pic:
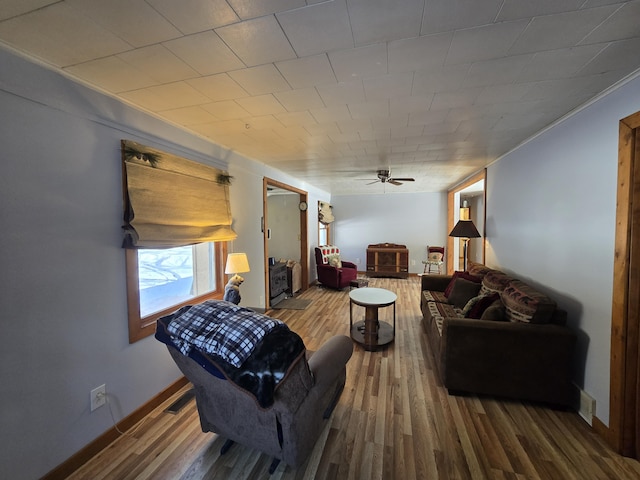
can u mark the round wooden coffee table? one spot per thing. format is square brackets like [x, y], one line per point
[372, 333]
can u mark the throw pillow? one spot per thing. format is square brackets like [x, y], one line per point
[455, 276]
[478, 309]
[495, 312]
[334, 260]
[469, 305]
[463, 291]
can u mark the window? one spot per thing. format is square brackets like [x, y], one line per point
[324, 234]
[159, 281]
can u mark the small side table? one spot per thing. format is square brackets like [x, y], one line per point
[372, 333]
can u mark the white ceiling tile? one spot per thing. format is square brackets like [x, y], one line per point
[13, 8]
[445, 15]
[189, 116]
[374, 109]
[205, 52]
[421, 53]
[517, 9]
[111, 74]
[374, 21]
[564, 62]
[623, 24]
[443, 79]
[499, 71]
[135, 21]
[560, 31]
[484, 43]
[318, 28]
[251, 8]
[359, 62]
[342, 93]
[257, 41]
[621, 56]
[218, 87]
[459, 98]
[290, 119]
[61, 35]
[388, 86]
[158, 63]
[300, 99]
[193, 16]
[261, 105]
[260, 80]
[166, 97]
[307, 71]
[502, 93]
[331, 114]
[226, 110]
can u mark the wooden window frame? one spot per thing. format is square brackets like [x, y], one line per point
[142, 327]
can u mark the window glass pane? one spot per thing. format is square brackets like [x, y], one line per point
[170, 276]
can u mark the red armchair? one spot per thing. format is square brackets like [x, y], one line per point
[332, 270]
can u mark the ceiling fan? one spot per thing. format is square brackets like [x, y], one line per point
[384, 176]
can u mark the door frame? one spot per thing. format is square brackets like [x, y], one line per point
[451, 194]
[623, 432]
[304, 261]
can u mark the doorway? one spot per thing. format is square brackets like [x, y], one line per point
[295, 235]
[467, 199]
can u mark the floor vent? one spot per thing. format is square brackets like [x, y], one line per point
[179, 404]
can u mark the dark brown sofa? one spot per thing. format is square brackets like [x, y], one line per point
[517, 347]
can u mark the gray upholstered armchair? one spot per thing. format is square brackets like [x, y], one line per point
[282, 419]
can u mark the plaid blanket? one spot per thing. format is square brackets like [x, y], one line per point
[220, 328]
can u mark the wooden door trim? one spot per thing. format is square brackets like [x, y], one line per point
[620, 433]
[482, 175]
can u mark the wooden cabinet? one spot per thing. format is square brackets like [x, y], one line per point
[387, 260]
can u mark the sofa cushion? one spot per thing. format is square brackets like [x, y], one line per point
[440, 311]
[477, 269]
[433, 296]
[463, 290]
[525, 304]
[494, 281]
[455, 276]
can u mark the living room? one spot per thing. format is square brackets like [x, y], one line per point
[551, 219]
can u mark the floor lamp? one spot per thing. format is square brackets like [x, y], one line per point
[465, 229]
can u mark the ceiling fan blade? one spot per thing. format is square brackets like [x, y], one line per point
[371, 183]
[394, 181]
[403, 179]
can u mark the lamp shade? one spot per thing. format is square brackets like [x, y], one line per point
[237, 263]
[465, 229]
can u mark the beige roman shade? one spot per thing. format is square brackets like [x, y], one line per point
[171, 201]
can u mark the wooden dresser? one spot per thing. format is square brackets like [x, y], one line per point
[387, 260]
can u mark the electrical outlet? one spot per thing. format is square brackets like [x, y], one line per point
[98, 397]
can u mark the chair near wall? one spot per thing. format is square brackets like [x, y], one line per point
[332, 270]
[434, 261]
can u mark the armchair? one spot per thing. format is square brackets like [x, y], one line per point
[332, 271]
[274, 406]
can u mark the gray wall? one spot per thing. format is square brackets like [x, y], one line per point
[551, 220]
[62, 280]
[415, 220]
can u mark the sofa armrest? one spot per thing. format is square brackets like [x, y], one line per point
[517, 360]
[435, 283]
[330, 359]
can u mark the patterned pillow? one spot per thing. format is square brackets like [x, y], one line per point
[334, 260]
[495, 312]
[434, 257]
[494, 281]
[525, 304]
[477, 269]
[456, 275]
[479, 307]
[463, 291]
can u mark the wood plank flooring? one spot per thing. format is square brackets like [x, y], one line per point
[394, 421]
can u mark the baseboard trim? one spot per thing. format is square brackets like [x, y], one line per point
[81, 457]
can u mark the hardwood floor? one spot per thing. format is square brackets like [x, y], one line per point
[394, 421]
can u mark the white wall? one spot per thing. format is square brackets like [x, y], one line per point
[551, 220]
[62, 280]
[415, 220]
[284, 224]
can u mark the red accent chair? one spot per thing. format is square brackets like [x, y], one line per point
[332, 271]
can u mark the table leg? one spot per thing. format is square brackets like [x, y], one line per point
[371, 326]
